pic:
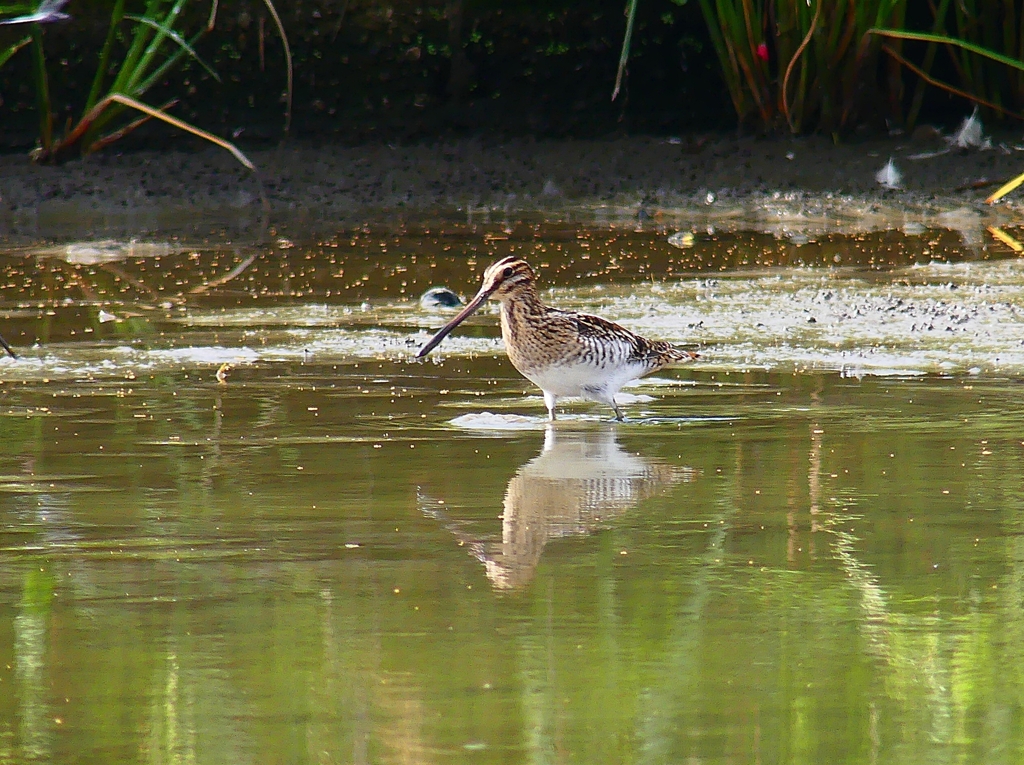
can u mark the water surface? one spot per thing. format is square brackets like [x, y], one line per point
[238, 523]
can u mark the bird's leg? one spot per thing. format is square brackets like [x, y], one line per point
[550, 399]
[618, 412]
[7, 348]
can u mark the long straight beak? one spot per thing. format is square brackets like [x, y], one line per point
[442, 333]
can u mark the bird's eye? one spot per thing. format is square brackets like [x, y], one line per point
[507, 274]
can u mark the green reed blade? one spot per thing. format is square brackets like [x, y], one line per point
[21, 9]
[965, 45]
[139, 71]
[289, 69]
[5, 55]
[966, 95]
[140, 38]
[101, 69]
[794, 115]
[1018, 52]
[966, 29]
[756, 69]
[167, 64]
[129, 69]
[727, 62]
[42, 88]
[956, 56]
[626, 40]
[751, 37]
[146, 43]
[177, 38]
[927, 63]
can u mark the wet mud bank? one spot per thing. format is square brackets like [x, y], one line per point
[807, 184]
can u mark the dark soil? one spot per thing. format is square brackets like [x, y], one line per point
[326, 188]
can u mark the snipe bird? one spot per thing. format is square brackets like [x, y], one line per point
[563, 353]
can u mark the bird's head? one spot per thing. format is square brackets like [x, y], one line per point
[505, 277]
[502, 280]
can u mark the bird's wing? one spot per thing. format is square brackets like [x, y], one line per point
[595, 331]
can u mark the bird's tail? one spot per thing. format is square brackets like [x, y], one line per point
[679, 353]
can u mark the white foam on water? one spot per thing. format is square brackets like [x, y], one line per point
[200, 355]
[632, 398]
[89, 361]
[945, 318]
[935, 318]
[498, 422]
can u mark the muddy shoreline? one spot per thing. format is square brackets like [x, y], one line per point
[807, 184]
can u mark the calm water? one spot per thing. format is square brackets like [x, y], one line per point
[805, 547]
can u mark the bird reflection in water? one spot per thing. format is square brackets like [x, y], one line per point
[574, 487]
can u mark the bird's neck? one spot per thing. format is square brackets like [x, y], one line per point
[523, 301]
[520, 308]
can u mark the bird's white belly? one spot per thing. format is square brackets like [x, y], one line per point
[585, 380]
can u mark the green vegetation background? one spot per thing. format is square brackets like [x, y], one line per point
[405, 70]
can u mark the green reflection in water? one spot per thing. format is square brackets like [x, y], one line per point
[308, 562]
[796, 568]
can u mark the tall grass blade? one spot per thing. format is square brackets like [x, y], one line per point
[288, 64]
[624, 55]
[6, 54]
[964, 44]
[120, 133]
[792, 63]
[145, 62]
[926, 64]
[134, 77]
[88, 121]
[101, 70]
[177, 38]
[187, 127]
[180, 124]
[42, 88]
[130, 63]
[974, 98]
[155, 46]
[730, 70]
[168, 64]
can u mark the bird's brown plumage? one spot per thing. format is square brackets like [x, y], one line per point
[564, 353]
